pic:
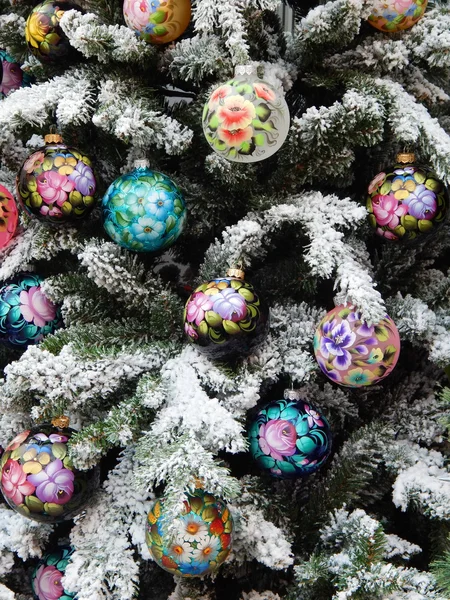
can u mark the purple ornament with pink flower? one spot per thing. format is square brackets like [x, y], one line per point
[226, 317]
[353, 353]
[290, 438]
[406, 202]
[38, 479]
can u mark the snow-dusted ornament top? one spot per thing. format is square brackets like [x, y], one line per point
[396, 15]
[157, 21]
[246, 119]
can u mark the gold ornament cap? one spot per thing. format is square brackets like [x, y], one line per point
[53, 138]
[61, 422]
[405, 158]
[237, 273]
[292, 395]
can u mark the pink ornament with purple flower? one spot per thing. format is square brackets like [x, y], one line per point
[351, 352]
[406, 202]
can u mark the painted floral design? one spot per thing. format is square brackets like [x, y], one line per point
[56, 184]
[157, 21]
[290, 438]
[225, 317]
[201, 541]
[144, 211]
[407, 202]
[246, 120]
[396, 15]
[46, 579]
[38, 478]
[26, 315]
[45, 38]
[351, 352]
[12, 77]
[8, 217]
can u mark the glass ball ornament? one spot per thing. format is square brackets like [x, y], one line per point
[157, 21]
[200, 541]
[290, 438]
[226, 317]
[56, 184]
[46, 577]
[26, 314]
[352, 353]
[12, 75]
[396, 15]
[9, 217]
[43, 33]
[38, 479]
[144, 210]
[246, 119]
[407, 201]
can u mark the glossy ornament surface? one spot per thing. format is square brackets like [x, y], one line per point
[45, 38]
[396, 15]
[46, 577]
[246, 119]
[226, 317]
[407, 201]
[9, 217]
[157, 21]
[38, 479]
[200, 541]
[56, 184]
[352, 353]
[12, 77]
[26, 314]
[144, 210]
[290, 438]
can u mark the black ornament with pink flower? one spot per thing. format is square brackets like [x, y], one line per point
[226, 318]
[38, 479]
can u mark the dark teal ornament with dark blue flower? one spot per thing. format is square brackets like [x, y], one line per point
[290, 438]
[26, 314]
[144, 210]
[46, 577]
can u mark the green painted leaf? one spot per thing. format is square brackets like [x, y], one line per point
[122, 219]
[424, 225]
[263, 112]
[259, 139]
[170, 223]
[213, 319]
[159, 30]
[59, 450]
[34, 504]
[158, 16]
[213, 122]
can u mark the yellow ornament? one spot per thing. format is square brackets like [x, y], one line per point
[157, 21]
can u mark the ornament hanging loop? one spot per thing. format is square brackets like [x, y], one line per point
[61, 422]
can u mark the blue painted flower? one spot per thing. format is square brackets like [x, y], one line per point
[149, 28]
[336, 343]
[147, 229]
[160, 204]
[135, 204]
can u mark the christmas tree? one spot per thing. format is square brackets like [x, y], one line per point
[151, 100]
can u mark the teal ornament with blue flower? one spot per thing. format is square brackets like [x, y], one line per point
[197, 541]
[46, 578]
[26, 314]
[290, 438]
[144, 210]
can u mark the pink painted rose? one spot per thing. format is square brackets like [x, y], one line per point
[35, 307]
[12, 77]
[264, 91]
[19, 439]
[136, 13]
[54, 187]
[388, 210]
[376, 181]
[14, 482]
[278, 438]
[47, 583]
[313, 417]
[198, 304]
[401, 6]
[387, 234]
[190, 331]
[34, 161]
[219, 94]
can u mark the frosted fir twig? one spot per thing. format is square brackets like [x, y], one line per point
[102, 566]
[195, 58]
[422, 89]
[12, 27]
[91, 37]
[36, 242]
[430, 40]
[6, 593]
[69, 96]
[256, 538]
[20, 535]
[133, 120]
